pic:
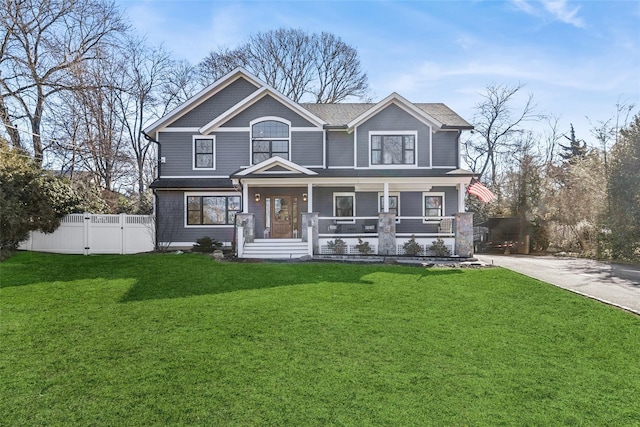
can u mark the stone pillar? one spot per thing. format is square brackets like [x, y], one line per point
[386, 233]
[247, 222]
[310, 219]
[464, 234]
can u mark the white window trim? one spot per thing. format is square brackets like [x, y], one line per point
[391, 194]
[193, 152]
[264, 119]
[335, 212]
[424, 215]
[208, 194]
[395, 132]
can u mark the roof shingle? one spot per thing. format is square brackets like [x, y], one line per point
[340, 114]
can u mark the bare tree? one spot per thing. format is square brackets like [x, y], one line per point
[181, 83]
[144, 71]
[296, 63]
[93, 125]
[497, 124]
[43, 41]
[338, 71]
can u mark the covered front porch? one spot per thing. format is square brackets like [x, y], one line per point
[350, 212]
[381, 239]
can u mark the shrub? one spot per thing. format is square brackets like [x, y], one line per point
[206, 245]
[363, 247]
[439, 249]
[338, 246]
[412, 247]
[30, 198]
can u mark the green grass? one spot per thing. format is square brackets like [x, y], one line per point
[181, 340]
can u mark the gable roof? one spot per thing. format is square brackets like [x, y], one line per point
[201, 97]
[252, 99]
[275, 164]
[346, 115]
[342, 113]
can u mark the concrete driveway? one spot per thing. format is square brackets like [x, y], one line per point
[614, 284]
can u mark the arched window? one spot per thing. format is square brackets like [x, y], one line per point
[269, 138]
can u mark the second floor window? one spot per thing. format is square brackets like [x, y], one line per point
[203, 153]
[393, 149]
[269, 138]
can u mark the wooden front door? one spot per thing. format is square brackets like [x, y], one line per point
[281, 217]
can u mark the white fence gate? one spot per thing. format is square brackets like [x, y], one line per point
[96, 234]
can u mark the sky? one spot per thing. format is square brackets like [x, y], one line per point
[579, 59]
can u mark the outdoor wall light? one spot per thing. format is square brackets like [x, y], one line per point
[256, 197]
[304, 197]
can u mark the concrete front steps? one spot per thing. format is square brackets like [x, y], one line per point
[275, 249]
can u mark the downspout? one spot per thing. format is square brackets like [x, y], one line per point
[155, 193]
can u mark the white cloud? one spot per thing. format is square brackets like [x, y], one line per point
[562, 12]
[558, 10]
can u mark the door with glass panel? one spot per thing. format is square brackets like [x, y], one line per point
[281, 217]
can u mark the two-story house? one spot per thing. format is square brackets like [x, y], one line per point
[242, 164]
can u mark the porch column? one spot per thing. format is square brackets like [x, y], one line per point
[464, 234]
[385, 197]
[245, 198]
[246, 221]
[461, 192]
[310, 219]
[386, 233]
[309, 198]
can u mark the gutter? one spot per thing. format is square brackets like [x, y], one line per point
[334, 127]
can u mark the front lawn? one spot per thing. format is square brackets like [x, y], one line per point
[166, 339]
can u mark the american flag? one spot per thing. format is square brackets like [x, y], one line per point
[476, 188]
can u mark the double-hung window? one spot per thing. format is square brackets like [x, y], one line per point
[433, 205]
[344, 206]
[203, 152]
[212, 209]
[393, 149]
[269, 138]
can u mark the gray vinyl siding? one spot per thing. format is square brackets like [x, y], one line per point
[232, 152]
[367, 204]
[171, 220]
[339, 149]
[411, 201]
[306, 148]
[393, 118]
[267, 106]
[176, 148]
[445, 148]
[217, 104]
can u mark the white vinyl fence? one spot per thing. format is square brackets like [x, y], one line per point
[96, 234]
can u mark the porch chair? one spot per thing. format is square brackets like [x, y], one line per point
[369, 227]
[334, 228]
[446, 226]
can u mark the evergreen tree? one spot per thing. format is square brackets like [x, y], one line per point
[577, 148]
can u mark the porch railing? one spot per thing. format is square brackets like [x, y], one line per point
[356, 231]
[367, 226]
